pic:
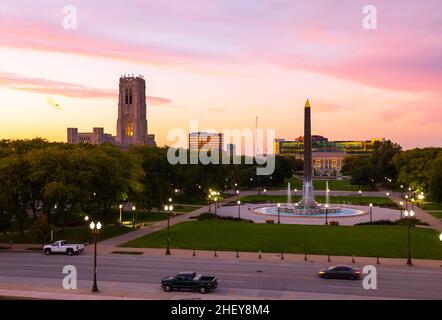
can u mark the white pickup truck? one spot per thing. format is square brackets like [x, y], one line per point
[62, 246]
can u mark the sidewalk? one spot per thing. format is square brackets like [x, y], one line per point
[421, 214]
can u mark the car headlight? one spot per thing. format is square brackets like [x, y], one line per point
[321, 272]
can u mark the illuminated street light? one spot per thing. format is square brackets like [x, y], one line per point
[133, 217]
[95, 228]
[168, 209]
[239, 209]
[279, 208]
[371, 212]
[121, 211]
[409, 215]
[326, 213]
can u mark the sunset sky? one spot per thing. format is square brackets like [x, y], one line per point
[224, 62]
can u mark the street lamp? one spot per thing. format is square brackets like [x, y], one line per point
[371, 212]
[133, 217]
[121, 211]
[360, 192]
[239, 209]
[86, 219]
[237, 195]
[95, 228]
[168, 209]
[326, 213]
[216, 202]
[279, 208]
[409, 214]
[388, 199]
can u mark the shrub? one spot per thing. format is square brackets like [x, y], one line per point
[211, 216]
[334, 223]
[413, 221]
[378, 223]
[41, 230]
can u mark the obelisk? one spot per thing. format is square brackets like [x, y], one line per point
[308, 200]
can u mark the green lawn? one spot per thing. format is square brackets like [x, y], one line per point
[363, 200]
[432, 206]
[383, 241]
[77, 234]
[436, 214]
[343, 185]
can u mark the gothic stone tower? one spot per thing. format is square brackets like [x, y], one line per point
[132, 119]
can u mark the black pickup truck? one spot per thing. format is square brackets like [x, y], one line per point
[189, 281]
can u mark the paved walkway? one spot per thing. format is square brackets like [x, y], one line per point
[420, 213]
[157, 226]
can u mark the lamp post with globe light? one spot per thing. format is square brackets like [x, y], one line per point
[95, 228]
[168, 209]
[371, 212]
[86, 219]
[239, 209]
[133, 217]
[216, 203]
[409, 215]
[326, 213]
[279, 209]
[121, 213]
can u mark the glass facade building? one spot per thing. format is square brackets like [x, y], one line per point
[206, 141]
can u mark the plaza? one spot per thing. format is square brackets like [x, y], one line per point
[249, 212]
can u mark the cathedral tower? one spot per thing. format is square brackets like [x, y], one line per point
[132, 119]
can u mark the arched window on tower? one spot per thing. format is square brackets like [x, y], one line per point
[129, 128]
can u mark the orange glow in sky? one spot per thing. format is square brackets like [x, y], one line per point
[223, 63]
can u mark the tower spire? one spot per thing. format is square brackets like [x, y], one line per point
[307, 104]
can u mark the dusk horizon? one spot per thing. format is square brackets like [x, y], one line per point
[223, 64]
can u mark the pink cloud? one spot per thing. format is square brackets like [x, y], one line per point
[426, 111]
[67, 89]
[45, 37]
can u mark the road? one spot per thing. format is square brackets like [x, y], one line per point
[139, 277]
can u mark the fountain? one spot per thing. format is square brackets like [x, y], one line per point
[289, 196]
[308, 206]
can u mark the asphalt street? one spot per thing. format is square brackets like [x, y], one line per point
[249, 279]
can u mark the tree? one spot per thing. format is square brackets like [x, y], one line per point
[435, 180]
[382, 161]
[15, 189]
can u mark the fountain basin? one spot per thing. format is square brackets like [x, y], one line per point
[318, 212]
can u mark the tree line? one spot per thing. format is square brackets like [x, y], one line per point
[390, 167]
[66, 182]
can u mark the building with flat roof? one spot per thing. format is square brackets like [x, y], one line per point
[206, 141]
[327, 156]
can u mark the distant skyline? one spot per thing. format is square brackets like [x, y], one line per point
[223, 63]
